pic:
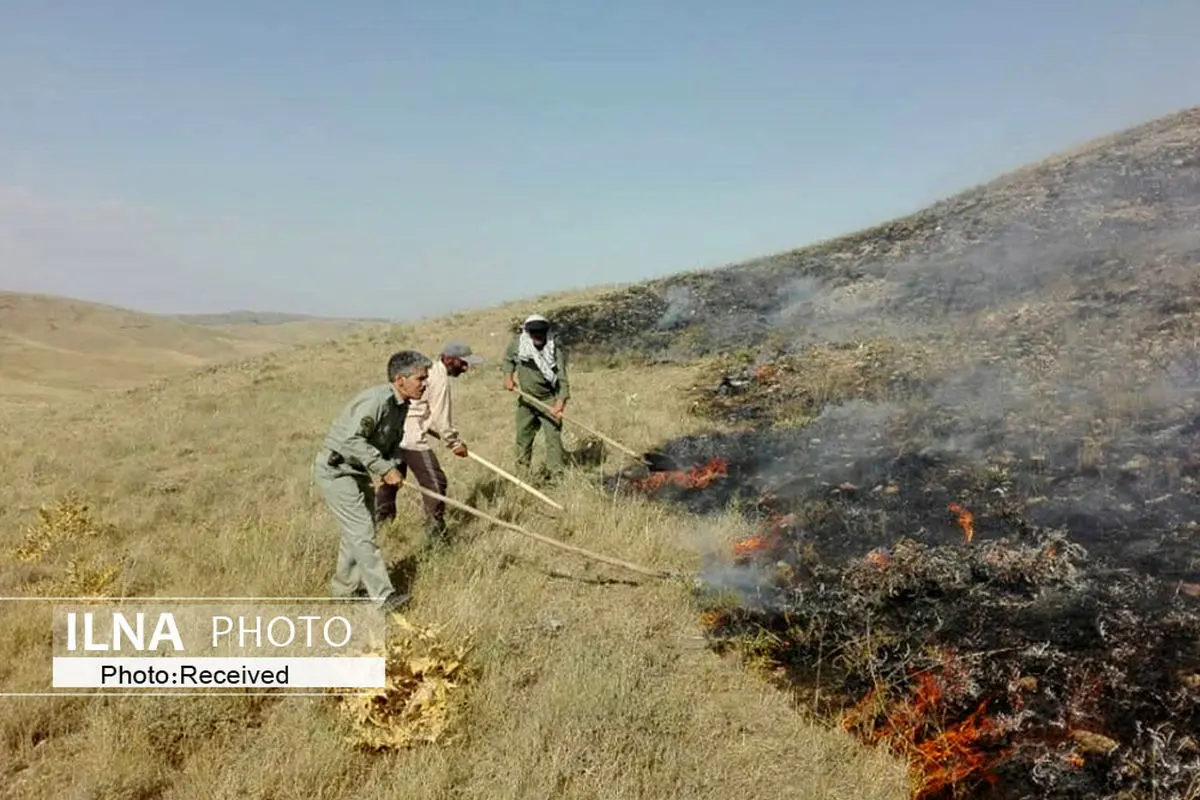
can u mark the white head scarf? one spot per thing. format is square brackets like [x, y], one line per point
[543, 359]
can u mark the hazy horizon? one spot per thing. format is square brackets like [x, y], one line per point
[372, 161]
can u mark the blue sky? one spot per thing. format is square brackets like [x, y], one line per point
[401, 159]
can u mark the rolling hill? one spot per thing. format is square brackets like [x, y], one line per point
[54, 345]
[1023, 352]
[245, 317]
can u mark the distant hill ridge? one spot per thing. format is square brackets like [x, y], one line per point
[246, 317]
[51, 347]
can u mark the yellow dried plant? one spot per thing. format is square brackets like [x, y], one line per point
[426, 677]
[67, 520]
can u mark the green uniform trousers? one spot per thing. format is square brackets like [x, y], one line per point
[360, 564]
[529, 421]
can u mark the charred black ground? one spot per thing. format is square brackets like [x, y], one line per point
[860, 477]
[1072, 611]
[1018, 362]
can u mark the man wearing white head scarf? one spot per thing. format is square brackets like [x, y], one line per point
[537, 363]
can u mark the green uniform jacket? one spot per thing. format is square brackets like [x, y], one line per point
[530, 378]
[365, 436]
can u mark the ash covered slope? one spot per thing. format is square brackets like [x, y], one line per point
[1042, 328]
[974, 435]
[1102, 214]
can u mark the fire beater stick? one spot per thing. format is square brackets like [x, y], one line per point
[514, 479]
[653, 573]
[506, 475]
[627, 451]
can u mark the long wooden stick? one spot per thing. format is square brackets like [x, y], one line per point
[592, 431]
[472, 454]
[653, 573]
[513, 478]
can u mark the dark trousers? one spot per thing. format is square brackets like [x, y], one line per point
[424, 466]
[529, 421]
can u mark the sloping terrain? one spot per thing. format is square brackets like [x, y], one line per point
[291, 332]
[1117, 214]
[53, 345]
[957, 429]
[590, 681]
[940, 486]
[246, 317]
[279, 327]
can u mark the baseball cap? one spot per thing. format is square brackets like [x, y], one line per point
[460, 350]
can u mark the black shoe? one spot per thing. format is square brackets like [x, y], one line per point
[394, 602]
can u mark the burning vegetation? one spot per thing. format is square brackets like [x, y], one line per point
[1017, 627]
[971, 438]
[695, 478]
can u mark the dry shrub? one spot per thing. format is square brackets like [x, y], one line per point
[68, 520]
[82, 580]
[425, 678]
[54, 543]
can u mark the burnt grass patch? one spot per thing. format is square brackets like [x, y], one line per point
[969, 438]
[1015, 621]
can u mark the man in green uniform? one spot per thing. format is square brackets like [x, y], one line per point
[362, 451]
[536, 362]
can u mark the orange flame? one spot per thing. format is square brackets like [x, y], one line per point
[697, 478]
[751, 545]
[939, 757]
[880, 559]
[966, 520]
[948, 759]
[766, 540]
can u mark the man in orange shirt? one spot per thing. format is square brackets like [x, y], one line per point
[430, 417]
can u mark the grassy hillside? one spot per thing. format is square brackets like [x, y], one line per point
[593, 681]
[956, 449]
[52, 347]
[245, 317]
[281, 328]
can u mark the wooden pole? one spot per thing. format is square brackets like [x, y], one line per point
[613, 442]
[653, 573]
[471, 454]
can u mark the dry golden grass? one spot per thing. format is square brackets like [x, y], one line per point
[590, 681]
[54, 347]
